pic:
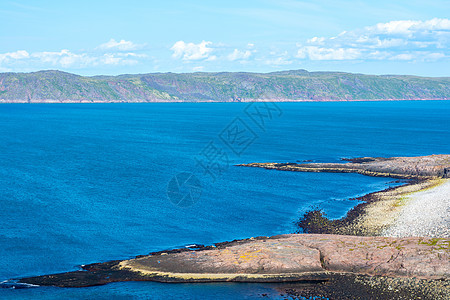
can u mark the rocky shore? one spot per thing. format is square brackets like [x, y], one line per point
[312, 264]
[380, 212]
[421, 167]
[377, 213]
[337, 259]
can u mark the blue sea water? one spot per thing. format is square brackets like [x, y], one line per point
[84, 183]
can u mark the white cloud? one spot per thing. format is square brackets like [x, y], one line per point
[63, 58]
[419, 56]
[115, 59]
[211, 58]
[198, 69]
[239, 55]
[316, 40]
[278, 59]
[405, 40]
[191, 51]
[67, 59]
[113, 53]
[318, 53]
[434, 56]
[409, 27]
[121, 45]
[20, 54]
[378, 55]
[403, 56]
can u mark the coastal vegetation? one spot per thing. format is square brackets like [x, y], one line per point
[296, 85]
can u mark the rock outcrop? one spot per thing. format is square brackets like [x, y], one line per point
[421, 167]
[295, 257]
[419, 265]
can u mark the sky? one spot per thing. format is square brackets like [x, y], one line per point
[128, 37]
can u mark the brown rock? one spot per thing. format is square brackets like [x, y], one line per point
[421, 167]
[296, 257]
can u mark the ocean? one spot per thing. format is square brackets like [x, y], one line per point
[85, 183]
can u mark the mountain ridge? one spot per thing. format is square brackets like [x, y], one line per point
[290, 85]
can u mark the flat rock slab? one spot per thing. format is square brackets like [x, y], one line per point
[425, 258]
[300, 253]
[255, 257]
[295, 257]
[421, 167]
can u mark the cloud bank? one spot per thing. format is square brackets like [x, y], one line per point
[406, 41]
[395, 40]
[107, 54]
[121, 45]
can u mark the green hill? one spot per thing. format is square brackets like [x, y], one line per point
[57, 86]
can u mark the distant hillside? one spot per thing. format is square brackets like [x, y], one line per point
[56, 86]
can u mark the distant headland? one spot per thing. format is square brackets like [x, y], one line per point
[295, 85]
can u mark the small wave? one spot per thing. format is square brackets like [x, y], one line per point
[14, 284]
[194, 246]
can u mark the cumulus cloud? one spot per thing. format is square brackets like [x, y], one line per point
[121, 45]
[410, 27]
[395, 40]
[319, 53]
[198, 68]
[67, 59]
[110, 53]
[239, 55]
[278, 59]
[63, 58]
[191, 51]
[20, 54]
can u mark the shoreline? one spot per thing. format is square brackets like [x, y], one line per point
[301, 265]
[345, 253]
[49, 101]
[377, 212]
[424, 213]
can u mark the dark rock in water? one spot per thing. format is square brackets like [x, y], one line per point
[14, 284]
[360, 159]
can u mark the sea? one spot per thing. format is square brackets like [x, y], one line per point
[86, 183]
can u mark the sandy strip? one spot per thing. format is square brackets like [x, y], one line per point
[425, 213]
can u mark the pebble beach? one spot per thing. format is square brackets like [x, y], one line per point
[425, 213]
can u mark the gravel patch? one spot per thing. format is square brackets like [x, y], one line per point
[426, 213]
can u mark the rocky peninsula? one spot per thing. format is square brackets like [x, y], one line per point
[422, 167]
[380, 211]
[343, 259]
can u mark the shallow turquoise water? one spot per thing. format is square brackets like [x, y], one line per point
[88, 183]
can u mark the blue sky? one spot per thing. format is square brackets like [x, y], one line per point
[117, 37]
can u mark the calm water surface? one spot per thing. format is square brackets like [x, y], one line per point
[88, 183]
